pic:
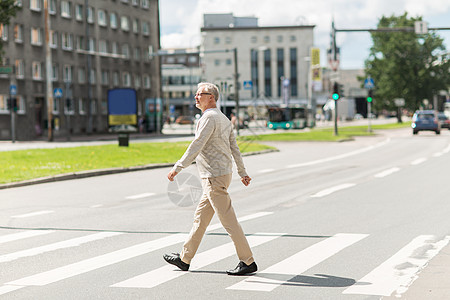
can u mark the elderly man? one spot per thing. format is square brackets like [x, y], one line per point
[213, 147]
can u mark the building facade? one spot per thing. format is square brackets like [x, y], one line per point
[267, 57]
[95, 46]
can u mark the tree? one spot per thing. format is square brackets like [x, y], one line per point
[8, 9]
[406, 65]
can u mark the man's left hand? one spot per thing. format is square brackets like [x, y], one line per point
[171, 175]
[246, 180]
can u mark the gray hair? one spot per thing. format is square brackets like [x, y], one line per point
[210, 88]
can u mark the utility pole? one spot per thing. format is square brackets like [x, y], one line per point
[48, 72]
[89, 66]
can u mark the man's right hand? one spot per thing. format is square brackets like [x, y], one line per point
[171, 175]
[246, 180]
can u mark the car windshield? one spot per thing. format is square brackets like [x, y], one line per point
[425, 116]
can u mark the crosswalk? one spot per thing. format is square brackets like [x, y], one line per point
[394, 275]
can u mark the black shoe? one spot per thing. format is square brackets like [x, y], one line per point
[243, 269]
[175, 260]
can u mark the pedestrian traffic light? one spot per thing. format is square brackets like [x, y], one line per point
[370, 96]
[335, 95]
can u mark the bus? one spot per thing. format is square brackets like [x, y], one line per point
[286, 117]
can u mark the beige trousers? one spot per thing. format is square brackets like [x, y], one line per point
[215, 199]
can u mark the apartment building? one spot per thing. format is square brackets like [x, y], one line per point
[272, 60]
[95, 46]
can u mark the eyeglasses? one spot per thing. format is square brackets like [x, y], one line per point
[201, 94]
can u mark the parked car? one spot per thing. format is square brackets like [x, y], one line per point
[444, 120]
[425, 120]
[184, 120]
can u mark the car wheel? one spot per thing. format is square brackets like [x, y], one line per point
[438, 132]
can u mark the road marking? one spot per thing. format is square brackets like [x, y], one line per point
[332, 190]
[297, 263]
[447, 149]
[331, 158]
[266, 171]
[55, 246]
[96, 206]
[399, 271]
[100, 261]
[9, 288]
[139, 196]
[418, 161]
[387, 172]
[22, 235]
[437, 154]
[32, 214]
[169, 272]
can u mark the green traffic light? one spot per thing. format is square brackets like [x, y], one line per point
[335, 96]
[369, 99]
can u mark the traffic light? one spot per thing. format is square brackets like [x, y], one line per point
[335, 95]
[370, 96]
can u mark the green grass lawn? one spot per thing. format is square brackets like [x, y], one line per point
[325, 134]
[29, 164]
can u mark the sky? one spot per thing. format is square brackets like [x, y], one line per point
[181, 20]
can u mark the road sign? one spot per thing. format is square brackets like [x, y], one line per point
[420, 27]
[248, 85]
[399, 102]
[58, 93]
[12, 90]
[369, 83]
[6, 69]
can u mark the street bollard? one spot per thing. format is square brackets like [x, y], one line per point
[123, 139]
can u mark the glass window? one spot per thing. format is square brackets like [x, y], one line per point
[135, 2]
[124, 23]
[92, 76]
[81, 75]
[126, 51]
[36, 36]
[293, 38]
[145, 28]
[21, 104]
[137, 53]
[79, 12]
[69, 108]
[54, 72]
[3, 103]
[91, 45]
[144, 3]
[116, 78]
[35, 5]
[4, 32]
[52, 7]
[66, 9]
[37, 70]
[126, 78]
[56, 106]
[20, 69]
[18, 33]
[146, 80]
[67, 73]
[113, 20]
[137, 81]
[103, 46]
[53, 39]
[90, 16]
[105, 77]
[216, 40]
[82, 106]
[66, 41]
[135, 26]
[101, 17]
[80, 43]
[114, 48]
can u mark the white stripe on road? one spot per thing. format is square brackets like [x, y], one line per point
[266, 171]
[332, 190]
[437, 154]
[9, 288]
[36, 213]
[399, 271]
[55, 246]
[97, 262]
[22, 235]
[87, 265]
[169, 272]
[387, 172]
[331, 158]
[297, 264]
[418, 161]
[139, 196]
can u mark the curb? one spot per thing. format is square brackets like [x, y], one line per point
[100, 172]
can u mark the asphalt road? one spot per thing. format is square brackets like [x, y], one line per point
[351, 220]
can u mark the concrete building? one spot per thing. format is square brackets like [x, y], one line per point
[181, 72]
[95, 46]
[266, 56]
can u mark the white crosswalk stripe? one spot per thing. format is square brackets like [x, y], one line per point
[297, 264]
[391, 277]
[166, 273]
[397, 273]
